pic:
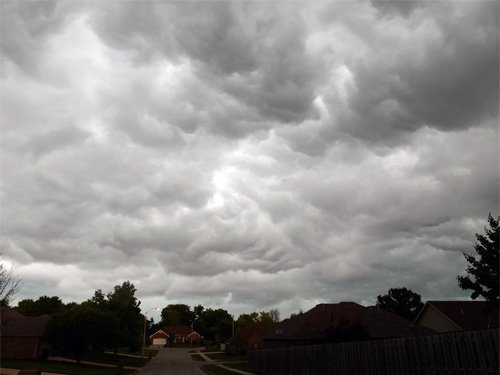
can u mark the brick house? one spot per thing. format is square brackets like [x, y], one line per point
[183, 335]
[22, 337]
[249, 338]
[449, 316]
[337, 322]
[159, 338]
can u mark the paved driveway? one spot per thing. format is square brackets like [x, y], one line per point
[173, 361]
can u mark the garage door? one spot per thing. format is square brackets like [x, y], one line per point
[159, 341]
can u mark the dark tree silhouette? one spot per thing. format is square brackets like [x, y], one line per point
[10, 284]
[482, 271]
[401, 301]
[43, 305]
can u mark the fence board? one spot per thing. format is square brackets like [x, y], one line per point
[457, 353]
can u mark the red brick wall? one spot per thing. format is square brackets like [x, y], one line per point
[19, 347]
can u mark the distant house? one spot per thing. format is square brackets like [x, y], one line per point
[183, 335]
[249, 338]
[22, 337]
[448, 316]
[159, 338]
[338, 322]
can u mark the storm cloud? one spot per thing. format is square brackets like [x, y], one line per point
[247, 155]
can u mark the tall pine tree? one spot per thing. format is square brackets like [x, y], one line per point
[401, 301]
[482, 271]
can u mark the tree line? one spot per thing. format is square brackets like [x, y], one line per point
[213, 324]
[110, 321]
[114, 319]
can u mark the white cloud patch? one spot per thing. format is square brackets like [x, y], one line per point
[247, 155]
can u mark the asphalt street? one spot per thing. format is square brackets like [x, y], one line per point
[173, 361]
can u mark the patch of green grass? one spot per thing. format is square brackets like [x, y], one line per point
[212, 348]
[61, 367]
[216, 370]
[223, 357]
[102, 357]
[125, 350]
[237, 365]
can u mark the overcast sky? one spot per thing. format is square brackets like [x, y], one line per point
[247, 155]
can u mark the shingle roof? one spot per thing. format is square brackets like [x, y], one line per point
[468, 315]
[316, 323]
[258, 328]
[177, 330]
[14, 324]
[158, 334]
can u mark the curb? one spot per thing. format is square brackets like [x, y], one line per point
[138, 371]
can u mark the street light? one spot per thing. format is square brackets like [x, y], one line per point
[144, 333]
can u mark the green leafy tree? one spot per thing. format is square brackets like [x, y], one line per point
[217, 324]
[177, 314]
[43, 305]
[265, 317]
[199, 324]
[245, 320]
[123, 303]
[482, 272]
[296, 315]
[73, 330]
[99, 298]
[198, 311]
[269, 317]
[401, 301]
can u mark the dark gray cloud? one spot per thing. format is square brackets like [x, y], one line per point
[247, 155]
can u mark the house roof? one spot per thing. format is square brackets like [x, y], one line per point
[260, 329]
[316, 324]
[256, 329]
[467, 315]
[178, 330]
[14, 324]
[158, 334]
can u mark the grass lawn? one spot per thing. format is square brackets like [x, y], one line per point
[223, 357]
[237, 365]
[212, 348]
[147, 352]
[60, 367]
[102, 357]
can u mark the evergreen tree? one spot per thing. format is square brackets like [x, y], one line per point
[483, 277]
[401, 301]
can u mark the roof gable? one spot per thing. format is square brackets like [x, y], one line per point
[159, 334]
[467, 315]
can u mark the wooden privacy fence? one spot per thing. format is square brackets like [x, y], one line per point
[473, 352]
